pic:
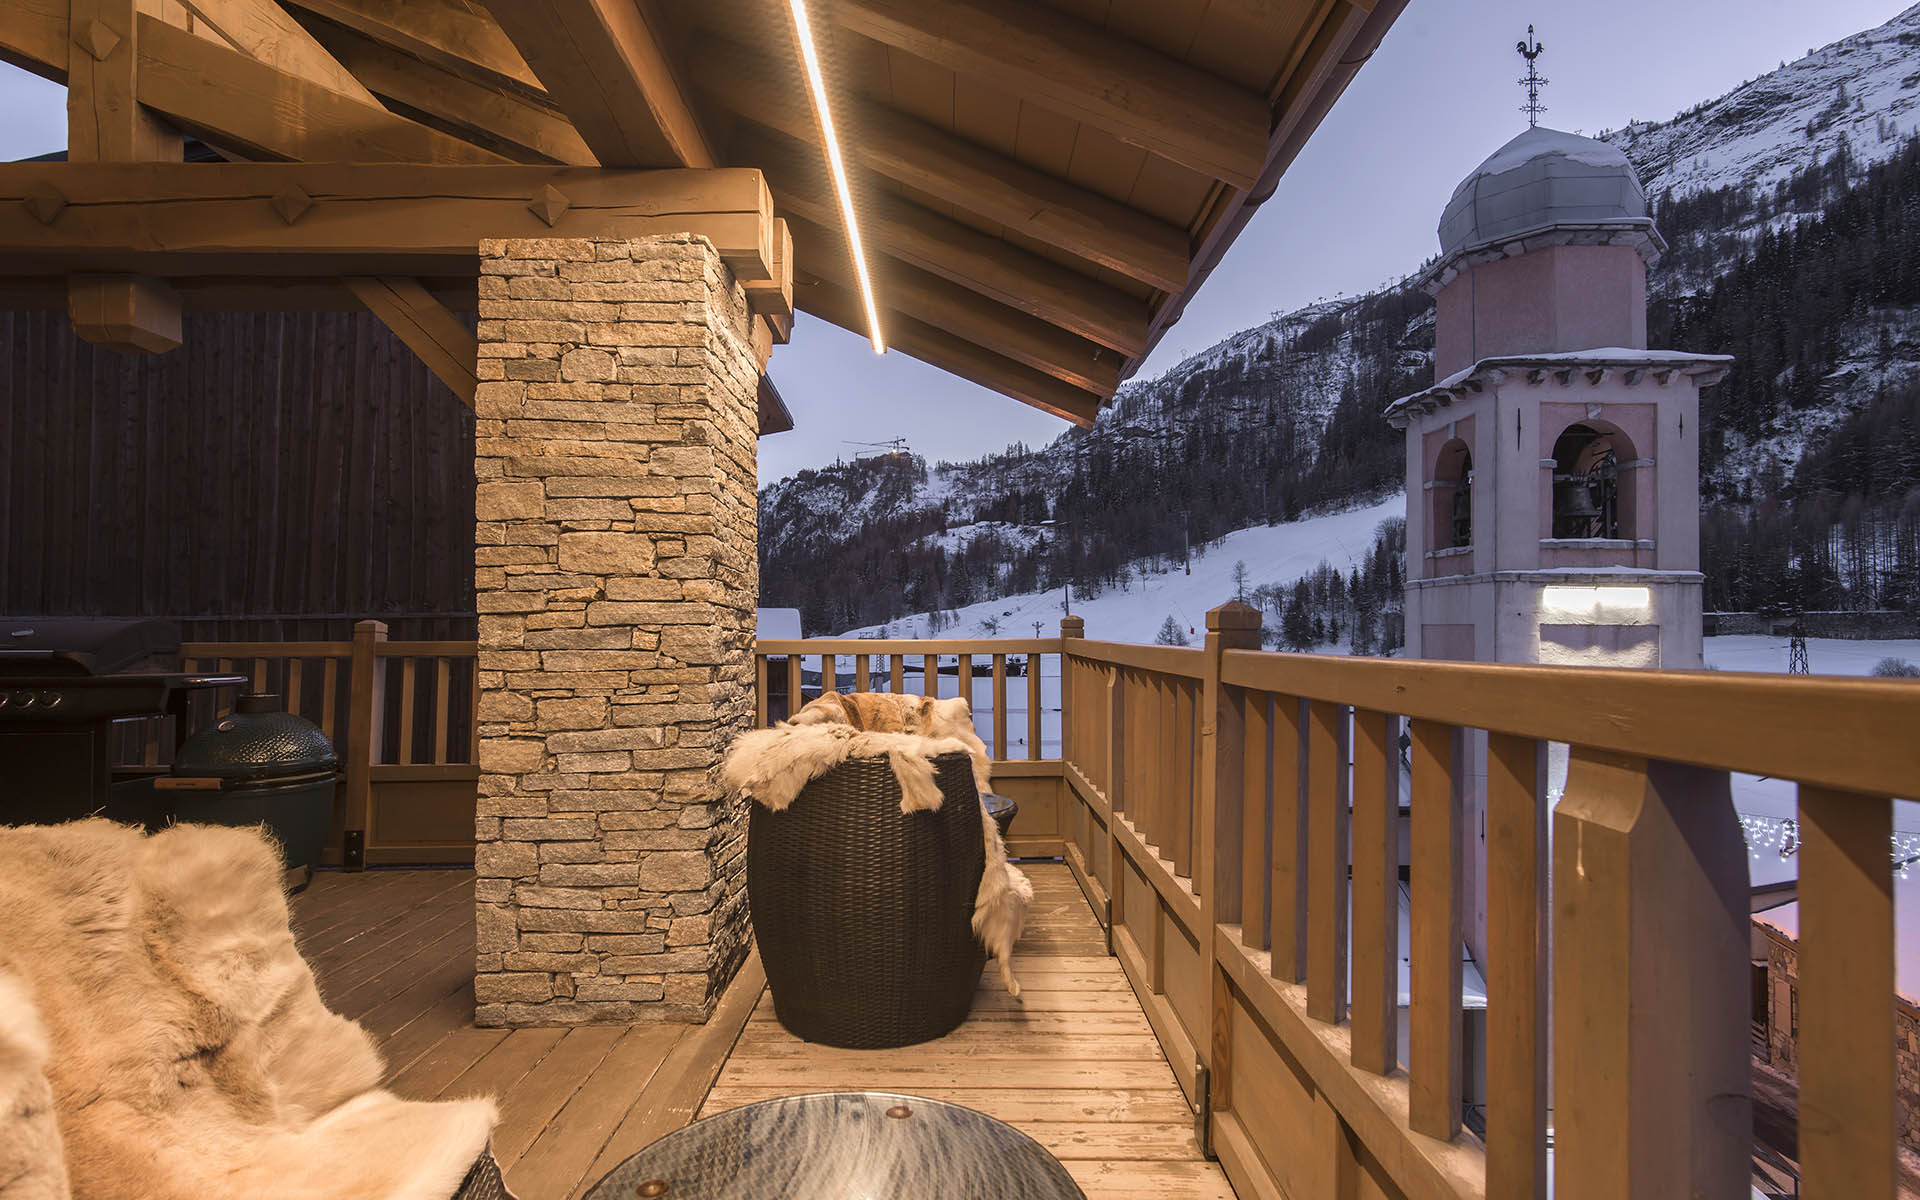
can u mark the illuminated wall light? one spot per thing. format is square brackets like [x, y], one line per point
[1593, 599]
[816, 81]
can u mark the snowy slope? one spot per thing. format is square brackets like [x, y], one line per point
[1273, 554]
[1863, 90]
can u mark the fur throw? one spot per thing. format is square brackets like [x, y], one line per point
[773, 765]
[162, 1039]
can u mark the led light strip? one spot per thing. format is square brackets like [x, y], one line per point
[803, 33]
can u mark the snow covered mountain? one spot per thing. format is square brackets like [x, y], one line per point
[1281, 420]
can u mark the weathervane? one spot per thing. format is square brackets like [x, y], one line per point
[1530, 49]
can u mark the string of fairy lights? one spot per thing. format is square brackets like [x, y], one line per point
[1781, 836]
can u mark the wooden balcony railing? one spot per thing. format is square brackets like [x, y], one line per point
[1234, 816]
[401, 715]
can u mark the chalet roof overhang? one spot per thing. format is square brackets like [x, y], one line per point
[1575, 368]
[1032, 227]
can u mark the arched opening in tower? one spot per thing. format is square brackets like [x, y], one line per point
[1451, 496]
[1589, 501]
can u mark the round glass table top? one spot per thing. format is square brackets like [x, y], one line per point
[842, 1146]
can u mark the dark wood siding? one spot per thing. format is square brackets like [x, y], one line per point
[281, 474]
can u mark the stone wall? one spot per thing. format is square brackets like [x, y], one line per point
[1783, 1032]
[615, 579]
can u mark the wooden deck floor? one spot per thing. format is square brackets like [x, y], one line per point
[1072, 1061]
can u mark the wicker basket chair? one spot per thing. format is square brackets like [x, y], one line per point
[863, 913]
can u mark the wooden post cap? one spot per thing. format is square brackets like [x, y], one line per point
[1073, 627]
[1233, 615]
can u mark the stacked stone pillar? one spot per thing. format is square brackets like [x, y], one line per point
[615, 579]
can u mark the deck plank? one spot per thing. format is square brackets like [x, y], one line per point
[1071, 1061]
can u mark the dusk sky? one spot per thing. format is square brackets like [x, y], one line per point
[1357, 208]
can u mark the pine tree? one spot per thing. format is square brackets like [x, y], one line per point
[1171, 634]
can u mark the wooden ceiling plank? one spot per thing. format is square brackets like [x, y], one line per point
[978, 180]
[1165, 106]
[964, 256]
[173, 219]
[452, 35]
[604, 63]
[941, 349]
[426, 327]
[263, 30]
[822, 254]
[518, 126]
[234, 99]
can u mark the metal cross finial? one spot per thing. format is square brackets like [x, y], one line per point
[1533, 81]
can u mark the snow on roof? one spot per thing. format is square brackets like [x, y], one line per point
[1542, 178]
[1704, 369]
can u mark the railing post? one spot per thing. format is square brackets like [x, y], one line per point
[1650, 987]
[1070, 627]
[366, 710]
[1232, 626]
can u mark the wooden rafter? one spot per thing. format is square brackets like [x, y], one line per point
[984, 182]
[427, 328]
[942, 349]
[1139, 95]
[501, 118]
[926, 297]
[262, 30]
[449, 34]
[299, 219]
[603, 63]
[962, 255]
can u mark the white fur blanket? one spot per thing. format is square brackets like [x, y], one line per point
[773, 765]
[162, 1039]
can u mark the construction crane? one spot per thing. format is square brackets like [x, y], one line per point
[892, 447]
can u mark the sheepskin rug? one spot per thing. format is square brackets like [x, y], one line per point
[162, 1039]
[773, 765]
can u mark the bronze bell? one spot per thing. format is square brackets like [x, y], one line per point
[1573, 498]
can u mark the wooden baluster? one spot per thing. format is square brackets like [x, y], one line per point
[796, 695]
[966, 679]
[408, 670]
[760, 720]
[1652, 987]
[365, 726]
[1375, 1002]
[1435, 941]
[930, 676]
[1256, 809]
[999, 707]
[1327, 858]
[1846, 982]
[1159, 747]
[1288, 891]
[473, 709]
[863, 672]
[1516, 968]
[1180, 850]
[260, 679]
[329, 695]
[442, 691]
[1118, 691]
[897, 674]
[223, 702]
[1034, 671]
[829, 673]
[296, 695]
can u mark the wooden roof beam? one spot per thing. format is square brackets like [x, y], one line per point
[33, 37]
[1137, 94]
[449, 34]
[295, 219]
[236, 100]
[942, 349]
[822, 254]
[501, 118]
[605, 64]
[984, 182]
[263, 30]
[987, 265]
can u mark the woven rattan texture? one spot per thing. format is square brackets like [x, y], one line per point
[863, 913]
